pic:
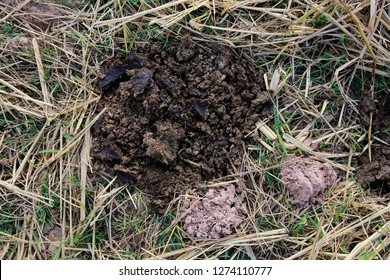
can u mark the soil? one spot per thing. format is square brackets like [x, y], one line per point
[306, 180]
[41, 15]
[176, 116]
[376, 174]
[218, 214]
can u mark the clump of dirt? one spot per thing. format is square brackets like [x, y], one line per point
[55, 238]
[217, 215]
[175, 117]
[306, 180]
[376, 173]
[40, 14]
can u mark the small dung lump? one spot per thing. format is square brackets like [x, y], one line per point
[217, 215]
[306, 180]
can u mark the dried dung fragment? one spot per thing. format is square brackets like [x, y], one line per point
[106, 153]
[112, 75]
[201, 107]
[217, 215]
[306, 180]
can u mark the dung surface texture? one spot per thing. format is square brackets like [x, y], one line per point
[216, 215]
[376, 173]
[306, 180]
[175, 116]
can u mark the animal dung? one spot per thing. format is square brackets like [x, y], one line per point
[216, 215]
[306, 180]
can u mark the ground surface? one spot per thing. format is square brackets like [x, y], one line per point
[102, 128]
[176, 116]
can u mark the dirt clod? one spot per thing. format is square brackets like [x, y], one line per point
[367, 106]
[41, 15]
[176, 116]
[376, 173]
[306, 180]
[163, 145]
[54, 237]
[217, 215]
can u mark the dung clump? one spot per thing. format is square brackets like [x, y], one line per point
[306, 180]
[217, 215]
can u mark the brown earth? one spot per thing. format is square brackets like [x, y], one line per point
[176, 117]
[41, 15]
[376, 174]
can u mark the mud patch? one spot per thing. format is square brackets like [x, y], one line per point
[376, 174]
[176, 117]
